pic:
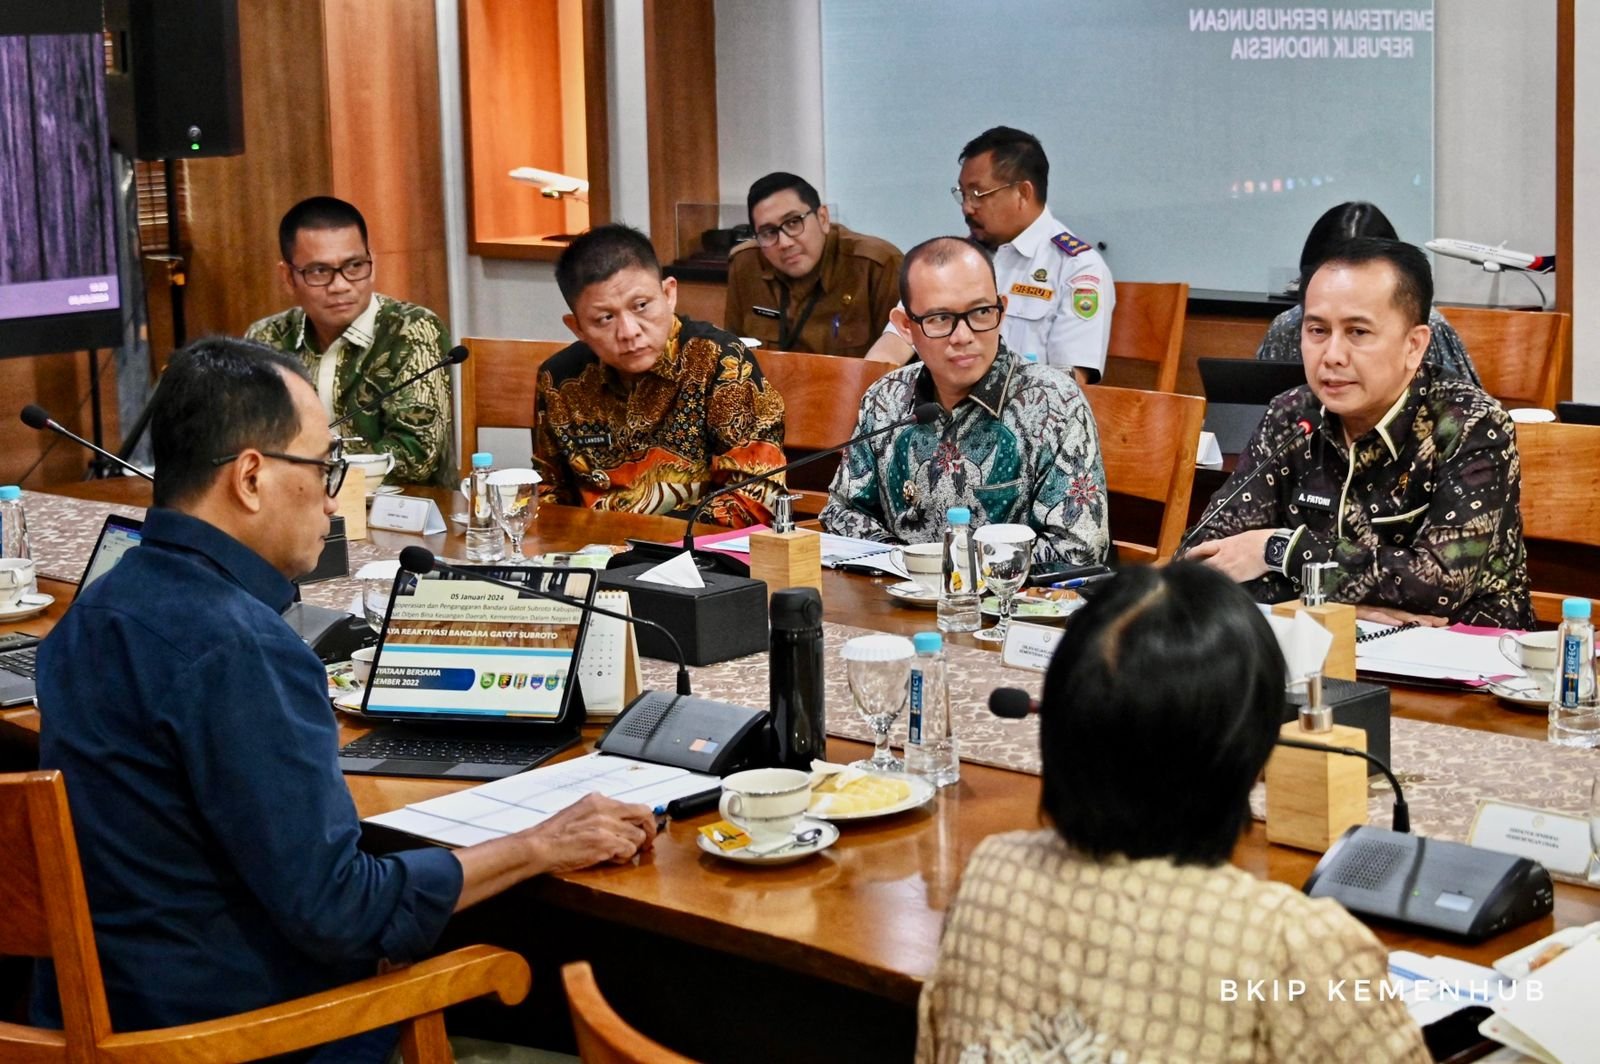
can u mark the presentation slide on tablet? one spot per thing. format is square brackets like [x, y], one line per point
[456, 648]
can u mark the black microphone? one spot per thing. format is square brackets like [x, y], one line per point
[922, 414]
[1011, 702]
[1402, 812]
[1306, 427]
[36, 417]
[420, 560]
[457, 355]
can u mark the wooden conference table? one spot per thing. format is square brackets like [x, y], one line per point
[855, 930]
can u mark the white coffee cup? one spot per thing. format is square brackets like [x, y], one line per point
[924, 561]
[765, 803]
[361, 664]
[1534, 653]
[16, 576]
[372, 466]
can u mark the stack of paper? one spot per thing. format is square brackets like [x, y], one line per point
[1553, 1018]
[1431, 654]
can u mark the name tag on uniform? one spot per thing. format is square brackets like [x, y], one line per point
[593, 439]
[1033, 290]
[765, 312]
[1315, 499]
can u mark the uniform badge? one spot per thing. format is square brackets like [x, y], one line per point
[766, 312]
[1041, 274]
[1033, 290]
[909, 492]
[1070, 245]
[1085, 302]
[847, 298]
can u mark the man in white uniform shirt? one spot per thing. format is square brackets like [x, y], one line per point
[1057, 288]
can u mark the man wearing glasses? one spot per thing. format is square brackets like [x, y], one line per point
[805, 283]
[1059, 290]
[220, 845]
[1018, 445]
[357, 344]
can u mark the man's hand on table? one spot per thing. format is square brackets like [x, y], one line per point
[1390, 616]
[1241, 558]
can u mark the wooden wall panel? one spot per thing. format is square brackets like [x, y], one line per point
[680, 47]
[236, 202]
[383, 128]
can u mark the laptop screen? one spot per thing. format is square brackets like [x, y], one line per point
[454, 648]
[117, 536]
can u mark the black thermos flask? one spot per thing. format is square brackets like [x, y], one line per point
[799, 721]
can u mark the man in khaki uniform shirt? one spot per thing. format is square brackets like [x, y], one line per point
[804, 284]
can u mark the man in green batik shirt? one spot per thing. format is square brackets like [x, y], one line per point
[357, 344]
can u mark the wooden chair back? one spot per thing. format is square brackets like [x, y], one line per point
[821, 399]
[1147, 326]
[1148, 441]
[498, 382]
[1520, 355]
[47, 915]
[1560, 505]
[603, 1036]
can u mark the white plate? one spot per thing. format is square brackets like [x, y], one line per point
[26, 606]
[829, 836]
[922, 793]
[1032, 605]
[385, 489]
[349, 702]
[1537, 702]
[913, 593]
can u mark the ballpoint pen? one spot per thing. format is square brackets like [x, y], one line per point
[1080, 581]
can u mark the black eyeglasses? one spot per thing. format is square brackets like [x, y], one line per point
[334, 467]
[792, 226]
[942, 323]
[319, 276]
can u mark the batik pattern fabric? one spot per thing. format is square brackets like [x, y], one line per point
[1021, 448]
[1053, 957]
[414, 424]
[1422, 513]
[1446, 352]
[702, 417]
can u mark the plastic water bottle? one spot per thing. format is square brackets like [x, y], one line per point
[485, 541]
[1575, 711]
[14, 529]
[930, 741]
[958, 594]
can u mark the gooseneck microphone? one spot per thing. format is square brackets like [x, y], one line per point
[922, 414]
[420, 560]
[36, 417]
[457, 355]
[1306, 427]
[1012, 703]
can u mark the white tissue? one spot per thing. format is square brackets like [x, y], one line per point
[1305, 645]
[679, 571]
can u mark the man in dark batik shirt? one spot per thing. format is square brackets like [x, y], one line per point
[650, 412]
[1410, 480]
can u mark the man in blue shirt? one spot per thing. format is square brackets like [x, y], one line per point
[218, 839]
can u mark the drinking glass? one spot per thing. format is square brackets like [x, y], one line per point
[375, 601]
[1594, 831]
[1005, 554]
[514, 499]
[879, 670]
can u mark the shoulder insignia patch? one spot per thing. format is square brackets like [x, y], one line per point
[1070, 245]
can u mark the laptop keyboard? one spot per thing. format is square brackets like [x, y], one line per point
[450, 751]
[24, 662]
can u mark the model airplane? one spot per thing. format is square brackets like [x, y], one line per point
[552, 185]
[1493, 259]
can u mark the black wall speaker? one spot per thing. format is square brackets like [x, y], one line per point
[174, 84]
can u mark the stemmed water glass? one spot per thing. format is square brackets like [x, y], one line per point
[514, 500]
[1594, 831]
[375, 601]
[1005, 554]
[879, 669]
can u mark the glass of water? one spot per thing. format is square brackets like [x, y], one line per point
[1005, 554]
[879, 670]
[514, 499]
[375, 601]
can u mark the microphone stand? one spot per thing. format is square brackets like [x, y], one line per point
[1402, 812]
[411, 561]
[1306, 429]
[456, 355]
[35, 417]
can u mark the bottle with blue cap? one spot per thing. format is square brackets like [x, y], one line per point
[1575, 707]
[958, 595]
[485, 541]
[930, 739]
[14, 530]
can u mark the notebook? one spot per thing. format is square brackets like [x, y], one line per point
[1237, 393]
[474, 681]
[18, 666]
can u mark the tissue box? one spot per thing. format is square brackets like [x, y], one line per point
[1356, 704]
[726, 619]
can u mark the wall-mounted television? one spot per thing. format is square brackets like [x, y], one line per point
[59, 289]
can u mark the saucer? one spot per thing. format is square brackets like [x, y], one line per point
[913, 593]
[26, 606]
[385, 489]
[349, 701]
[829, 836]
[1039, 604]
[1537, 701]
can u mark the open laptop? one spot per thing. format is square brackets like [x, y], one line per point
[474, 681]
[19, 665]
[1237, 393]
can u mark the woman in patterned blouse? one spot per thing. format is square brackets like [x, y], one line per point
[1121, 933]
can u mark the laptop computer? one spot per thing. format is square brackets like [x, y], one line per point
[1237, 393]
[474, 681]
[19, 662]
